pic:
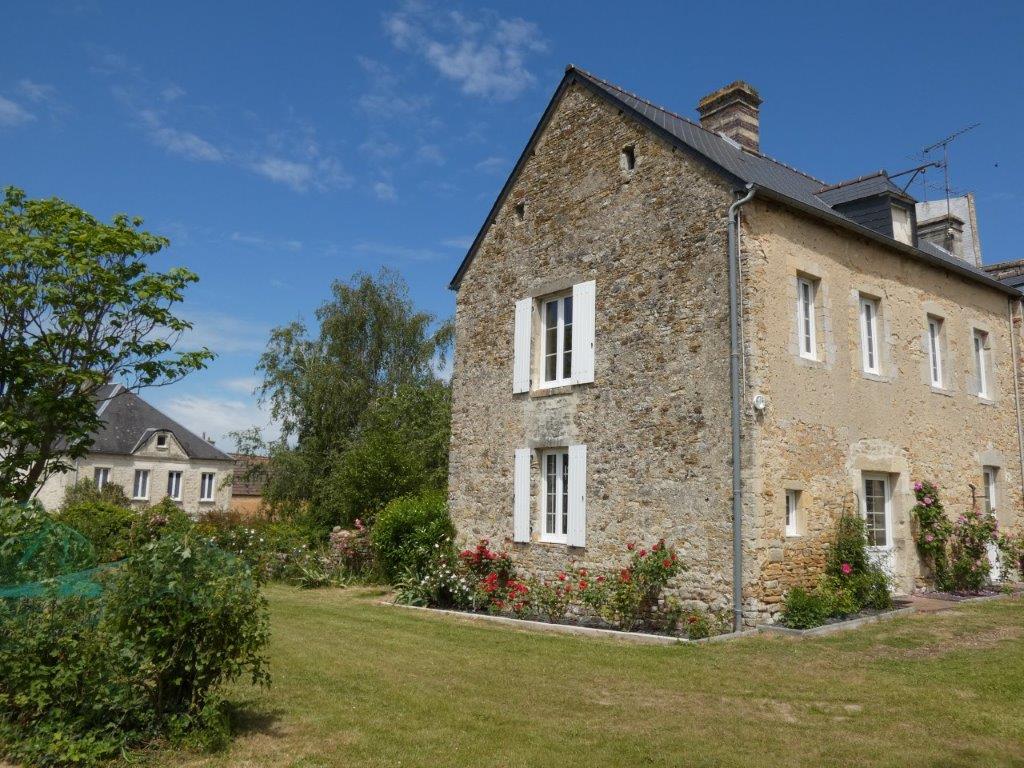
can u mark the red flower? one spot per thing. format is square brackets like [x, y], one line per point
[600, 579]
[583, 585]
[630, 546]
[561, 575]
[583, 571]
[625, 575]
[643, 553]
[847, 569]
[656, 547]
[667, 562]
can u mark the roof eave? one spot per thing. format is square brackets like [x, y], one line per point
[877, 237]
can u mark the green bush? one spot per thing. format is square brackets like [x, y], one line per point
[106, 525]
[803, 609]
[33, 546]
[848, 553]
[86, 492]
[408, 530]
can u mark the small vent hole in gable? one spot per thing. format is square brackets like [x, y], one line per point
[520, 211]
[628, 158]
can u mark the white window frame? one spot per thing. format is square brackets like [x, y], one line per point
[100, 477]
[792, 512]
[902, 225]
[806, 322]
[990, 477]
[559, 494]
[140, 485]
[934, 341]
[980, 339]
[174, 485]
[886, 511]
[206, 487]
[869, 345]
[560, 379]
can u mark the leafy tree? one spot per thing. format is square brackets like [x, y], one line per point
[360, 401]
[78, 308]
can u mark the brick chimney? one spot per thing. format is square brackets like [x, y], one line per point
[946, 231]
[735, 112]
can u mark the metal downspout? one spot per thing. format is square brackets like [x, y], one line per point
[736, 349]
[1016, 389]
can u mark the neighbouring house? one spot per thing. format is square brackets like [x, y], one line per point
[592, 394]
[150, 456]
[247, 484]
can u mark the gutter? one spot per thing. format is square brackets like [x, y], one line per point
[735, 350]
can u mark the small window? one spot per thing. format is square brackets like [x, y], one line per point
[989, 476]
[206, 486]
[101, 476]
[981, 362]
[174, 485]
[792, 513]
[555, 495]
[935, 350]
[556, 341]
[876, 509]
[901, 226]
[628, 158]
[520, 211]
[161, 441]
[869, 334]
[140, 490]
[805, 302]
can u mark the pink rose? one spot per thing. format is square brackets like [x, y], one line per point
[918, 486]
[927, 501]
[847, 569]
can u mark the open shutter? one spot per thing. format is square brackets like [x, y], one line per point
[583, 295]
[521, 504]
[523, 332]
[577, 496]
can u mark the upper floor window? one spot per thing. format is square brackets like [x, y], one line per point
[206, 486]
[935, 350]
[902, 229]
[805, 301]
[140, 489]
[792, 510]
[869, 334]
[556, 340]
[161, 441]
[981, 362]
[101, 476]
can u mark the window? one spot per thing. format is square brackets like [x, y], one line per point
[174, 485]
[101, 476]
[869, 334]
[981, 362]
[935, 350]
[628, 159]
[876, 510]
[792, 506]
[555, 495]
[520, 211]
[901, 227]
[805, 290]
[161, 441]
[206, 486]
[989, 475]
[141, 488]
[556, 341]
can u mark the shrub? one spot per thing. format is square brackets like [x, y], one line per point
[440, 582]
[107, 525]
[81, 679]
[86, 492]
[803, 609]
[973, 531]
[630, 599]
[406, 531]
[848, 553]
[933, 530]
[33, 546]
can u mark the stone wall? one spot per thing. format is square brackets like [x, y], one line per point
[827, 421]
[656, 418]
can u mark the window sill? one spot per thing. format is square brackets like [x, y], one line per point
[562, 389]
[941, 391]
[793, 536]
[985, 400]
[875, 377]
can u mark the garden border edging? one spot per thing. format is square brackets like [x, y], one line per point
[839, 626]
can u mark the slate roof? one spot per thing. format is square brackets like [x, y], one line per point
[877, 183]
[129, 421]
[770, 178]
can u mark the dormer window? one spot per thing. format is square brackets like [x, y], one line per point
[161, 442]
[902, 229]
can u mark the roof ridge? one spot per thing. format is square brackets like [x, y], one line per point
[694, 123]
[848, 182]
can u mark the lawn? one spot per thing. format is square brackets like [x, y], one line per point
[359, 684]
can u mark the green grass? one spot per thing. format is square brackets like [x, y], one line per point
[359, 684]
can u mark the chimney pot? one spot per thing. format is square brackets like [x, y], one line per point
[946, 231]
[734, 111]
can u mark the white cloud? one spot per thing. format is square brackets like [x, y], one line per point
[268, 243]
[430, 153]
[172, 92]
[399, 252]
[223, 333]
[218, 416]
[385, 191]
[245, 385]
[383, 99]
[295, 175]
[486, 57]
[12, 114]
[36, 92]
[458, 242]
[379, 148]
[178, 142]
[491, 164]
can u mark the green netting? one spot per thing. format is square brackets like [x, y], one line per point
[46, 557]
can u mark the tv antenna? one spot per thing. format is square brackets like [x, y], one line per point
[943, 144]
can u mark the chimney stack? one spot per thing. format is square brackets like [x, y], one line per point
[946, 231]
[734, 111]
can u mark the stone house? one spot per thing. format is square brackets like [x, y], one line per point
[150, 456]
[597, 381]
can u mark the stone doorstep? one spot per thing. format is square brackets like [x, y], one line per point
[839, 626]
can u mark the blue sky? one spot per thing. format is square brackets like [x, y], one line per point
[282, 146]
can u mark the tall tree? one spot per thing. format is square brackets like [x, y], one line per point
[78, 308]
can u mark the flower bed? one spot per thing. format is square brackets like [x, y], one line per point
[628, 599]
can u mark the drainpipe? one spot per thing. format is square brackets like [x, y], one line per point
[1011, 304]
[735, 345]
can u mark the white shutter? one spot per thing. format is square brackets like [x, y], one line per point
[521, 504]
[577, 533]
[523, 332]
[583, 295]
